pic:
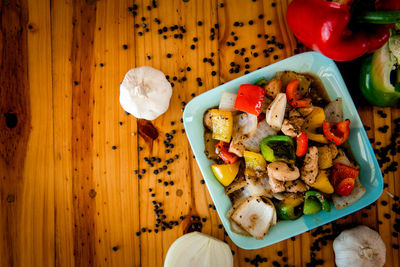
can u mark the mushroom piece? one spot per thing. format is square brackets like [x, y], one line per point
[282, 171]
[276, 112]
[359, 247]
[309, 171]
[255, 215]
[145, 93]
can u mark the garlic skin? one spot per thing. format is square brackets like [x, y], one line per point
[198, 250]
[145, 93]
[359, 247]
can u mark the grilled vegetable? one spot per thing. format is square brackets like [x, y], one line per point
[314, 121]
[254, 161]
[322, 183]
[250, 98]
[337, 133]
[289, 209]
[222, 123]
[225, 173]
[278, 147]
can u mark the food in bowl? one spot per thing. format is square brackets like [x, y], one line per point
[279, 149]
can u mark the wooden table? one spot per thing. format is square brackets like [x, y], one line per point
[69, 193]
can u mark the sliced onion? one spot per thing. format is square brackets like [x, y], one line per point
[245, 123]
[198, 250]
[263, 130]
[334, 111]
[227, 101]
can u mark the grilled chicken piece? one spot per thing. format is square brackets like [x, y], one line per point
[295, 118]
[208, 120]
[273, 87]
[309, 171]
[296, 186]
[282, 171]
[255, 215]
[289, 129]
[305, 111]
[237, 144]
[276, 185]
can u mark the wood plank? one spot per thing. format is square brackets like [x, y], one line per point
[95, 190]
[26, 164]
[182, 197]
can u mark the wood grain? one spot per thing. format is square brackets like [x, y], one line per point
[75, 187]
[26, 164]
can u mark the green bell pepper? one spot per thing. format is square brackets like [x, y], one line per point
[278, 147]
[262, 82]
[314, 202]
[289, 209]
[311, 206]
[375, 78]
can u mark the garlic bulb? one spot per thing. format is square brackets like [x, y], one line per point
[359, 247]
[145, 93]
[198, 250]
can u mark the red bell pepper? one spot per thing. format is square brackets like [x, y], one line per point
[339, 176]
[337, 133]
[294, 97]
[250, 98]
[324, 25]
[345, 186]
[301, 144]
[222, 150]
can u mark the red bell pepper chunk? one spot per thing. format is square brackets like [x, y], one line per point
[323, 26]
[294, 97]
[337, 133]
[250, 98]
[301, 144]
[341, 172]
[222, 150]
[345, 186]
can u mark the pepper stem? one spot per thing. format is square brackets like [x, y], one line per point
[380, 17]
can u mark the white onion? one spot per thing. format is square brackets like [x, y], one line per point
[198, 250]
[245, 123]
[263, 130]
[334, 111]
[227, 101]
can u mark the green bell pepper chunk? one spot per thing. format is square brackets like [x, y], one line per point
[262, 82]
[288, 212]
[277, 147]
[311, 206]
[314, 202]
[375, 75]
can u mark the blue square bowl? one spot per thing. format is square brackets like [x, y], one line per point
[326, 70]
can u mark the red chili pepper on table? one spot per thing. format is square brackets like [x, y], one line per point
[301, 144]
[294, 97]
[337, 133]
[250, 98]
[222, 150]
[324, 26]
[341, 178]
